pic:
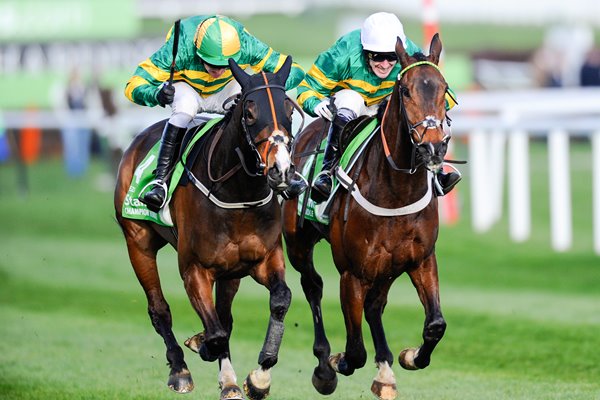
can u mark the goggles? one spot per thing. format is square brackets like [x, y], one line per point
[380, 57]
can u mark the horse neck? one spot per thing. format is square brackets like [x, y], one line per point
[224, 158]
[395, 131]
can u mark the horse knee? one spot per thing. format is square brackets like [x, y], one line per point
[214, 345]
[160, 316]
[281, 298]
[434, 331]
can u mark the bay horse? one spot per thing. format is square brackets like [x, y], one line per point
[233, 232]
[376, 239]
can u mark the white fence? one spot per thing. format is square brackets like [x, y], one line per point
[498, 126]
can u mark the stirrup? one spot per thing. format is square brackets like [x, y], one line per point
[439, 189]
[287, 194]
[161, 184]
[321, 195]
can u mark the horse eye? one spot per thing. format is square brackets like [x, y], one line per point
[251, 113]
[405, 92]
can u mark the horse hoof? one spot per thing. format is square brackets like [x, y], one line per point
[334, 361]
[407, 359]
[325, 385]
[231, 393]
[195, 342]
[253, 392]
[384, 391]
[181, 382]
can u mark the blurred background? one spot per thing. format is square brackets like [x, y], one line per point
[520, 235]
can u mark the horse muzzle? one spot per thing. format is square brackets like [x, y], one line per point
[432, 155]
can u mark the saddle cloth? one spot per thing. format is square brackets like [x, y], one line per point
[133, 208]
[319, 212]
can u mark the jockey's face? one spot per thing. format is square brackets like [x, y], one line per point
[215, 71]
[382, 68]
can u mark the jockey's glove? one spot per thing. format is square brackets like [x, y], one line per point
[323, 109]
[165, 95]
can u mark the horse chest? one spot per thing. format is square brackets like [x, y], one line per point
[377, 254]
[241, 252]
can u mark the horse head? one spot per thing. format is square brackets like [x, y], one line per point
[267, 122]
[421, 91]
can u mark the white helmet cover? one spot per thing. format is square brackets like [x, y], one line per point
[379, 32]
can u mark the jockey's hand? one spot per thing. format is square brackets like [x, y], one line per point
[165, 95]
[323, 110]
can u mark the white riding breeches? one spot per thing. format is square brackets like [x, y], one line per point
[188, 102]
[351, 100]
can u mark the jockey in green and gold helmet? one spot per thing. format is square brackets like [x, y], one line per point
[202, 80]
[217, 41]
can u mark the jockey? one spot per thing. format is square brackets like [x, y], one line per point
[359, 72]
[202, 82]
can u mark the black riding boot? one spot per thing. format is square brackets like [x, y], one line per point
[321, 188]
[447, 181]
[156, 196]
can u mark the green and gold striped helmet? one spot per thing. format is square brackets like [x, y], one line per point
[217, 40]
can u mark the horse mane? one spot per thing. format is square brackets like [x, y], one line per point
[420, 56]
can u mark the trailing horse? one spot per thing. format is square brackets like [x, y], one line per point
[384, 224]
[226, 224]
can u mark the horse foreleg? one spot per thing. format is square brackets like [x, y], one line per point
[143, 259]
[425, 280]
[352, 295]
[258, 383]
[384, 383]
[225, 291]
[214, 342]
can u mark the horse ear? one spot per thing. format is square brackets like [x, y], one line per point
[239, 74]
[284, 71]
[435, 49]
[401, 52]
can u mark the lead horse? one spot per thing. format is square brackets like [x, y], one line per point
[220, 238]
[384, 226]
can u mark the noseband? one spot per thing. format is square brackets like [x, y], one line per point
[429, 122]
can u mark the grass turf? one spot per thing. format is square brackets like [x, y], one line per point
[522, 320]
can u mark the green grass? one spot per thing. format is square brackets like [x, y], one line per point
[523, 321]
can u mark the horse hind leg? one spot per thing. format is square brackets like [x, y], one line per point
[300, 247]
[142, 248]
[228, 381]
[425, 280]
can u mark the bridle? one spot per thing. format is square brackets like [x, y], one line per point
[429, 122]
[276, 137]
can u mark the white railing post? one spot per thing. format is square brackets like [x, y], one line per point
[478, 167]
[519, 201]
[560, 190]
[495, 173]
[596, 188]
